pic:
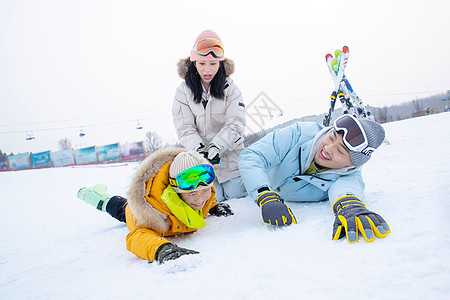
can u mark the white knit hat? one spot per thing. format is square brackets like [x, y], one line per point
[186, 160]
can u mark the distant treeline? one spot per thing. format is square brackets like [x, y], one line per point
[419, 107]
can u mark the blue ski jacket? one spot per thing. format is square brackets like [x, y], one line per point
[280, 159]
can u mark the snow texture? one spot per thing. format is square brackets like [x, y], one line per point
[54, 246]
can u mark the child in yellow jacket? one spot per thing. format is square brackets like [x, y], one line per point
[171, 193]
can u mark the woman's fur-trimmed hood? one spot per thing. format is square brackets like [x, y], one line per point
[145, 214]
[183, 65]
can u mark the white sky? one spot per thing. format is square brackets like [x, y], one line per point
[88, 64]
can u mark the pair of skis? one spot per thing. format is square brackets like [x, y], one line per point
[351, 103]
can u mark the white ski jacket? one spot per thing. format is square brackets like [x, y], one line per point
[220, 122]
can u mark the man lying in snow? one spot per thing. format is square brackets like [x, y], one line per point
[307, 162]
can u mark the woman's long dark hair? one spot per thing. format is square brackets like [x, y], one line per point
[193, 81]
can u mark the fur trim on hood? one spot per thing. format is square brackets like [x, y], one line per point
[183, 65]
[145, 214]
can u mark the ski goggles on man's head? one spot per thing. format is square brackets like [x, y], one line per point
[354, 136]
[209, 46]
[191, 178]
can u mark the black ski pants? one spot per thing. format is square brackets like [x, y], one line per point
[116, 208]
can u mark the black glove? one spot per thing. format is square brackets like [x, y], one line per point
[213, 154]
[273, 210]
[201, 149]
[353, 216]
[221, 209]
[170, 251]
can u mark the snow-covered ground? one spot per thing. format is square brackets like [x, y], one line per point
[54, 246]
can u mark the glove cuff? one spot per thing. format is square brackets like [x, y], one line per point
[266, 197]
[201, 147]
[346, 201]
[213, 146]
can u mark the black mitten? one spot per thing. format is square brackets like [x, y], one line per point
[221, 209]
[170, 251]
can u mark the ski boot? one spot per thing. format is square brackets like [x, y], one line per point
[95, 196]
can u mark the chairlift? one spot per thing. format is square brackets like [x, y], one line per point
[30, 136]
[82, 134]
[138, 125]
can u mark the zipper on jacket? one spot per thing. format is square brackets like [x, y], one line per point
[300, 169]
[207, 93]
[204, 102]
[315, 176]
[299, 165]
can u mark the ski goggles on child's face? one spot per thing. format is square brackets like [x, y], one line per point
[354, 136]
[191, 178]
[209, 46]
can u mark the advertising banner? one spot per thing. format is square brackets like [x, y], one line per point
[108, 153]
[86, 156]
[133, 151]
[19, 161]
[41, 160]
[63, 158]
[4, 163]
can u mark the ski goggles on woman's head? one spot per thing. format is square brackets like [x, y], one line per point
[191, 178]
[354, 136]
[209, 46]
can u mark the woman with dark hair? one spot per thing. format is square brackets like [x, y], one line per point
[209, 112]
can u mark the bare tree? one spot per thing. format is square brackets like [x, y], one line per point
[153, 142]
[382, 115]
[64, 144]
[417, 105]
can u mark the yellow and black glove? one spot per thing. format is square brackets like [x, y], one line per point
[353, 216]
[273, 210]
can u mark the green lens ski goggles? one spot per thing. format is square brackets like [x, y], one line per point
[191, 178]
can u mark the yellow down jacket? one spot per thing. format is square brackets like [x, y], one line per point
[148, 218]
